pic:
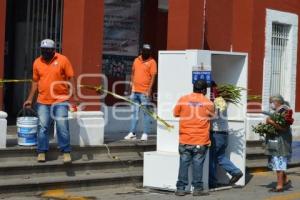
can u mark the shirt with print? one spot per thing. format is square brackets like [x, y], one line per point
[52, 79]
[143, 72]
[194, 111]
[220, 121]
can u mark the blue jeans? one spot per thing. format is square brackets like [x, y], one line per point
[219, 142]
[143, 100]
[191, 154]
[46, 114]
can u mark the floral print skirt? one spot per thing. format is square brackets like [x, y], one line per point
[278, 163]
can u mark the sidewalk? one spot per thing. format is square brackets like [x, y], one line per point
[256, 189]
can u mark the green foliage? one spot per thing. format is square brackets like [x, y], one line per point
[230, 93]
[264, 129]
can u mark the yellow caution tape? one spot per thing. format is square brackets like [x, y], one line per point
[100, 89]
[2, 81]
[150, 113]
[14, 80]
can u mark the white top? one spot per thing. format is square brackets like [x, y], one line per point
[220, 121]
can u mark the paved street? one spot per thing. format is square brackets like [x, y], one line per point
[257, 188]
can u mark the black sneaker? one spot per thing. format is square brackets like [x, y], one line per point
[217, 185]
[180, 193]
[235, 178]
[198, 192]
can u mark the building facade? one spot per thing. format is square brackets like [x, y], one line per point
[266, 29]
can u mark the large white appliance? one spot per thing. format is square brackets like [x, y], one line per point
[177, 69]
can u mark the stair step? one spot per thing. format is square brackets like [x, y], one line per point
[23, 153]
[254, 143]
[255, 150]
[102, 158]
[76, 155]
[36, 184]
[255, 153]
[112, 165]
[105, 164]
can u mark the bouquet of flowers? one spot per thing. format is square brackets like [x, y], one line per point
[289, 117]
[264, 129]
[220, 104]
[282, 119]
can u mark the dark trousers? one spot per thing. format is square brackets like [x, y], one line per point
[217, 157]
[191, 154]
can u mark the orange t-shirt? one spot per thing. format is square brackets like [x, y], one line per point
[194, 111]
[143, 72]
[46, 74]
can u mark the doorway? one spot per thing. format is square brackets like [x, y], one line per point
[27, 23]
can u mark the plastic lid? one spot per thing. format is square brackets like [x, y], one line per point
[3, 115]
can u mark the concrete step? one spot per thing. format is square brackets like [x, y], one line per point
[117, 163]
[255, 153]
[30, 168]
[78, 182]
[254, 143]
[24, 153]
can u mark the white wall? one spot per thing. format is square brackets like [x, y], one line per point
[296, 126]
[117, 122]
[274, 16]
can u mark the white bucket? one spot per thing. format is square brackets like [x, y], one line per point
[27, 130]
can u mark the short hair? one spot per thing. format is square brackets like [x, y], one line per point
[199, 86]
[277, 97]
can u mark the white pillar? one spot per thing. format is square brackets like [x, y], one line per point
[3, 128]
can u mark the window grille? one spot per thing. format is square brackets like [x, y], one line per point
[279, 58]
[44, 20]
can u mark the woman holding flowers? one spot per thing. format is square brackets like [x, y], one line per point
[278, 146]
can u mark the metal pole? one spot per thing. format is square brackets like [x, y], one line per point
[27, 50]
[32, 31]
[61, 24]
[56, 21]
[42, 19]
[37, 39]
[51, 19]
[47, 19]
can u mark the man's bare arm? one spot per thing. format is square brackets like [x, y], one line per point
[32, 92]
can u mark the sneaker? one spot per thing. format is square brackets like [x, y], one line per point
[130, 136]
[144, 137]
[199, 192]
[180, 193]
[67, 158]
[235, 178]
[41, 157]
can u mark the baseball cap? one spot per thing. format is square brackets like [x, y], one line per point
[47, 43]
[147, 46]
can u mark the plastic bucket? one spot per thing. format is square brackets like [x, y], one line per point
[27, 130]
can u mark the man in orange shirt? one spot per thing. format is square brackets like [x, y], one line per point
[52, 78]
[194, 111]
[144, 71]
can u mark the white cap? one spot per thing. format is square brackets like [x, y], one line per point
[146, 46]
[47, 43]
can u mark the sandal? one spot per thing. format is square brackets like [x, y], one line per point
[276, 190]
[289, 182]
